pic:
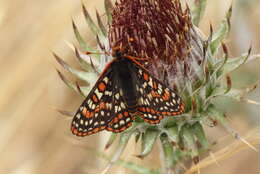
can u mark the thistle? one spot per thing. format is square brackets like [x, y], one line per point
[181, 57]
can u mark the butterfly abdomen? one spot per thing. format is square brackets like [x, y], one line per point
[126, 81]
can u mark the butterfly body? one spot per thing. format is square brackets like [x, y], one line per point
[124, 88]
[126, 81]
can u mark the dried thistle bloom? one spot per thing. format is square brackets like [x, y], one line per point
[181, 57]
[160, 30]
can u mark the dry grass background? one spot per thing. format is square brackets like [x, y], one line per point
[35, 139]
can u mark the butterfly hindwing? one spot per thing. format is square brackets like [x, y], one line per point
[156, 100]
[95, 112]
[123, 118]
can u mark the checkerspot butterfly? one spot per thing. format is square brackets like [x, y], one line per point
[125, 88]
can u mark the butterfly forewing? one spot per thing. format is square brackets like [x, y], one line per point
[156, 100]
[96, 111]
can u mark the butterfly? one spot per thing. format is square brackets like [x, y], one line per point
[124, 89]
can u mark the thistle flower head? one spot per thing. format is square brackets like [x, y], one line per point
[180, 57]
[160, 30]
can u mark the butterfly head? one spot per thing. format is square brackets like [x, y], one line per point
[118, 52]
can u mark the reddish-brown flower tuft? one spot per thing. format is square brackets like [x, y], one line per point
[158, 29]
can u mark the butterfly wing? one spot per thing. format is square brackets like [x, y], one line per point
[123, 118]
[156, 100]
[96, 111]
[104, 108]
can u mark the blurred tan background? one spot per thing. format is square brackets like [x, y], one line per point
[35, 139]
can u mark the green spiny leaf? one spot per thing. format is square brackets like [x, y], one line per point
[222, 32]
[167, 151]
[67, 82]
[198, 10]
[93, 27]
[215, 114]
[88, 77]
[130, 165]
[101, 25]
[80, 39]
[137, 168]
[233, 63]
[148, 139]
[83, 63]
[123, 140]
[108, 8]
[74, 87]
[198, 131]
[137, 136]
[189, 141]
[111, 140]
[173, 133]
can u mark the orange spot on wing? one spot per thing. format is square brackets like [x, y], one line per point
[115, 120]
[84, 111]
[94, 98]
[126, 114]
[174, 113]
[120, 116]
[152, 111]
[96, 130]
[115, 130]
[155, 94]
[74, 131]
[102, 105]
[166, 96]
[101, 86]
[90, 132]
[122, 129]
[146, 77]
[157, 121]
[142, 109]
[155, 85]
[129, 124]
[182, 107]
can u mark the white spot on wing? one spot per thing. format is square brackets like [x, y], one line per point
[122, 122]
[105, 80]
[150, 96]
[96, 123]
[99, 95]
[81, 121]
[78, 116]
[117, 96]
[123, 105]
[150, 82]
[109, 93]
